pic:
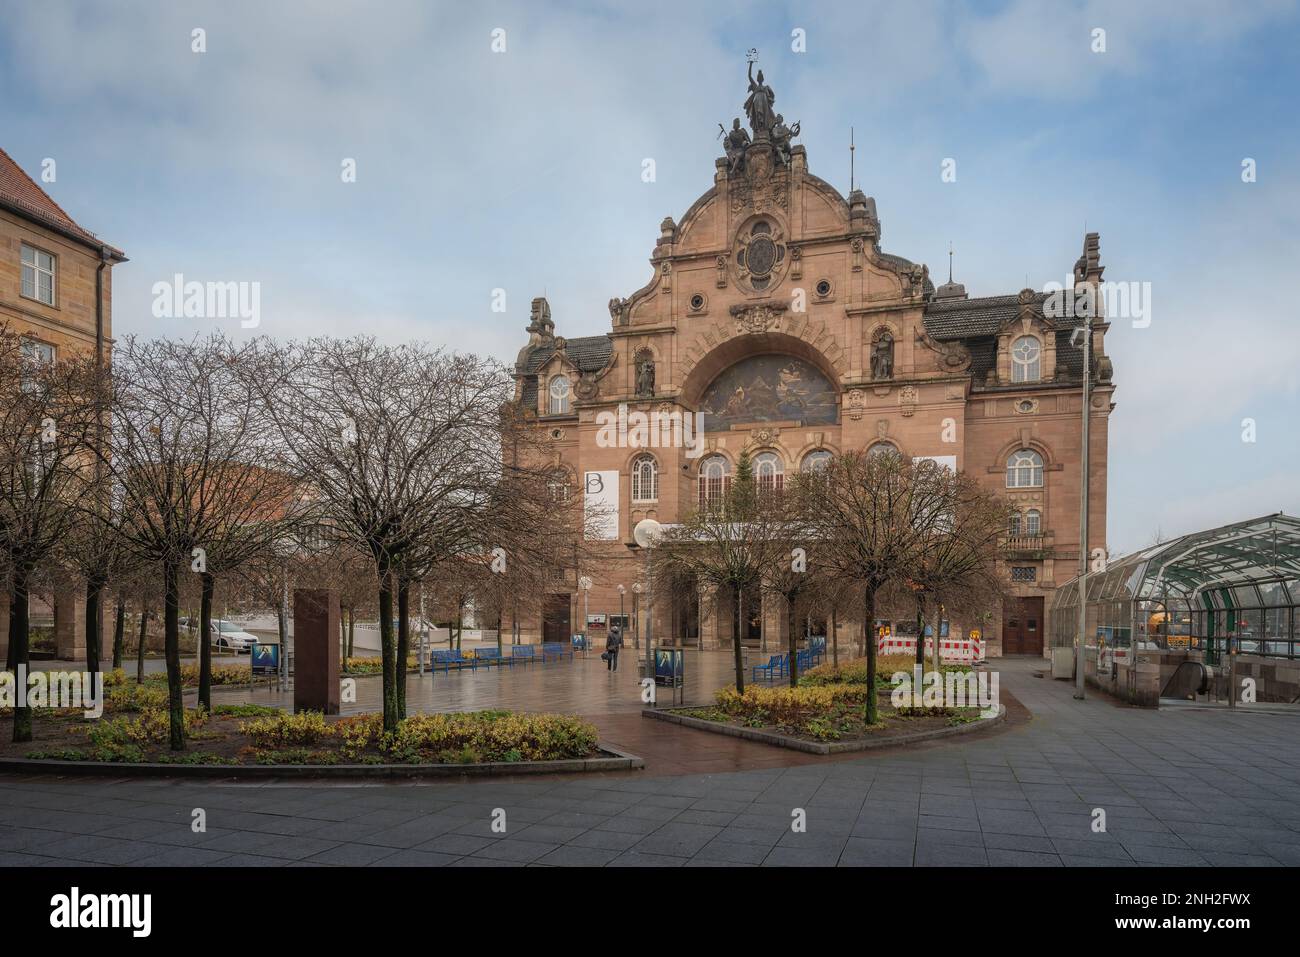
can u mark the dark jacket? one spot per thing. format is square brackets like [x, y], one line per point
[614, 641]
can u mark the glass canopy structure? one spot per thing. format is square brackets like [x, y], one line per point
[1238, 584]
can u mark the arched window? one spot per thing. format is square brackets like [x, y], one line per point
[1013, 524]
[715, 477]
[816, 460]
[883, 448]
[558, 486]
[769, 472]
[645, 479]
[1026, 360]
[1025, 469]
[1033, 522]
[559, 395]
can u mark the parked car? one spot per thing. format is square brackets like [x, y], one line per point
[226, 634]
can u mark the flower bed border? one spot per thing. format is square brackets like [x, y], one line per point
[607, 759]
[817, 747]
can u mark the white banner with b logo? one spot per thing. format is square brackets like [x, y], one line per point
[600, 505]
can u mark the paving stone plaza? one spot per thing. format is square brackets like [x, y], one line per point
[1178, 787]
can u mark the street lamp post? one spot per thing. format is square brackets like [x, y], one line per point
[585, 584]
[621, 616]
[636, 614]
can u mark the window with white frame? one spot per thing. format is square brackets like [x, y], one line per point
[883, 448]
[38, 274]
[645, 479]
[37, 352]
[1025, 469]
[559, 395]
[1026, 360]
[715, 477]
[1013, 524]
[558, 485]
[1033, 522]
[816, 460]
[769, 472]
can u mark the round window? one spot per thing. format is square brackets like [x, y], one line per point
[824, 288]
[697, 301]
[762, 256]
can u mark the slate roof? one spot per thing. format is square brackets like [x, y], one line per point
[20, 194]
[588, 353]
[976, 323]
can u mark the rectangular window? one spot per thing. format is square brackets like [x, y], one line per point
[1024, 573]
[37, 352]
[38, 274]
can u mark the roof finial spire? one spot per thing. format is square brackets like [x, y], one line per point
[950, 261]
[852, 183]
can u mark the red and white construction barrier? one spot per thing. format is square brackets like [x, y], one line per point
[962, 650]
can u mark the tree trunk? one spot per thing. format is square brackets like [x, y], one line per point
[172, 646]
[872, 711]
[920, 629]
[403, 641]
[352, 631]
[835, 640]
[205, 642]
[19, 648]
[499, 619]
[792, 642]
[735, 641]
[119, 630]
[144, 632]
[94, 627]
[388, 648]
[938, 620]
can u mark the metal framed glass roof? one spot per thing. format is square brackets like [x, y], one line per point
[1256, 561]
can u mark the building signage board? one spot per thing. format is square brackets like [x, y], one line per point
[264, 658]
[600, 505]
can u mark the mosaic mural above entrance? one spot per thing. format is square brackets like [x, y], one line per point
[769, 388]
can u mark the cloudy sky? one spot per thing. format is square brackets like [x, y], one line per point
[521, 171]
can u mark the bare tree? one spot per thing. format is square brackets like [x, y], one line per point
[188, 459]
[49, 418]
[865, 522]
[398, 443]
[728, 543]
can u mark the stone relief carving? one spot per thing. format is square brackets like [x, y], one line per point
[907, 399]
[758, 317]
[856, 402]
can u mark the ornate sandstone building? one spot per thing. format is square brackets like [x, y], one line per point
[774, 310]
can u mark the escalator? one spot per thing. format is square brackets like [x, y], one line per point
[1191, 681]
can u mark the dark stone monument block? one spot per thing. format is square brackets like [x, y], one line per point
[316, 650]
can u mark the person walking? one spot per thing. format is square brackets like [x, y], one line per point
[612, 644]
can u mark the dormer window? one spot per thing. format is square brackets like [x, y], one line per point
[1026, 360]
[558, 395]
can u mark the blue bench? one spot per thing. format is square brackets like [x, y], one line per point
[492, 656]
[777, 666]
[449, 658]
[556, 650]
[525, 654]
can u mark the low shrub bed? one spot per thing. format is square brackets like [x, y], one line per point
[135, 729]
[854, 671]
[372, 666]
[825, 711]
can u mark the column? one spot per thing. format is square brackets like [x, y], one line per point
[70, 624]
